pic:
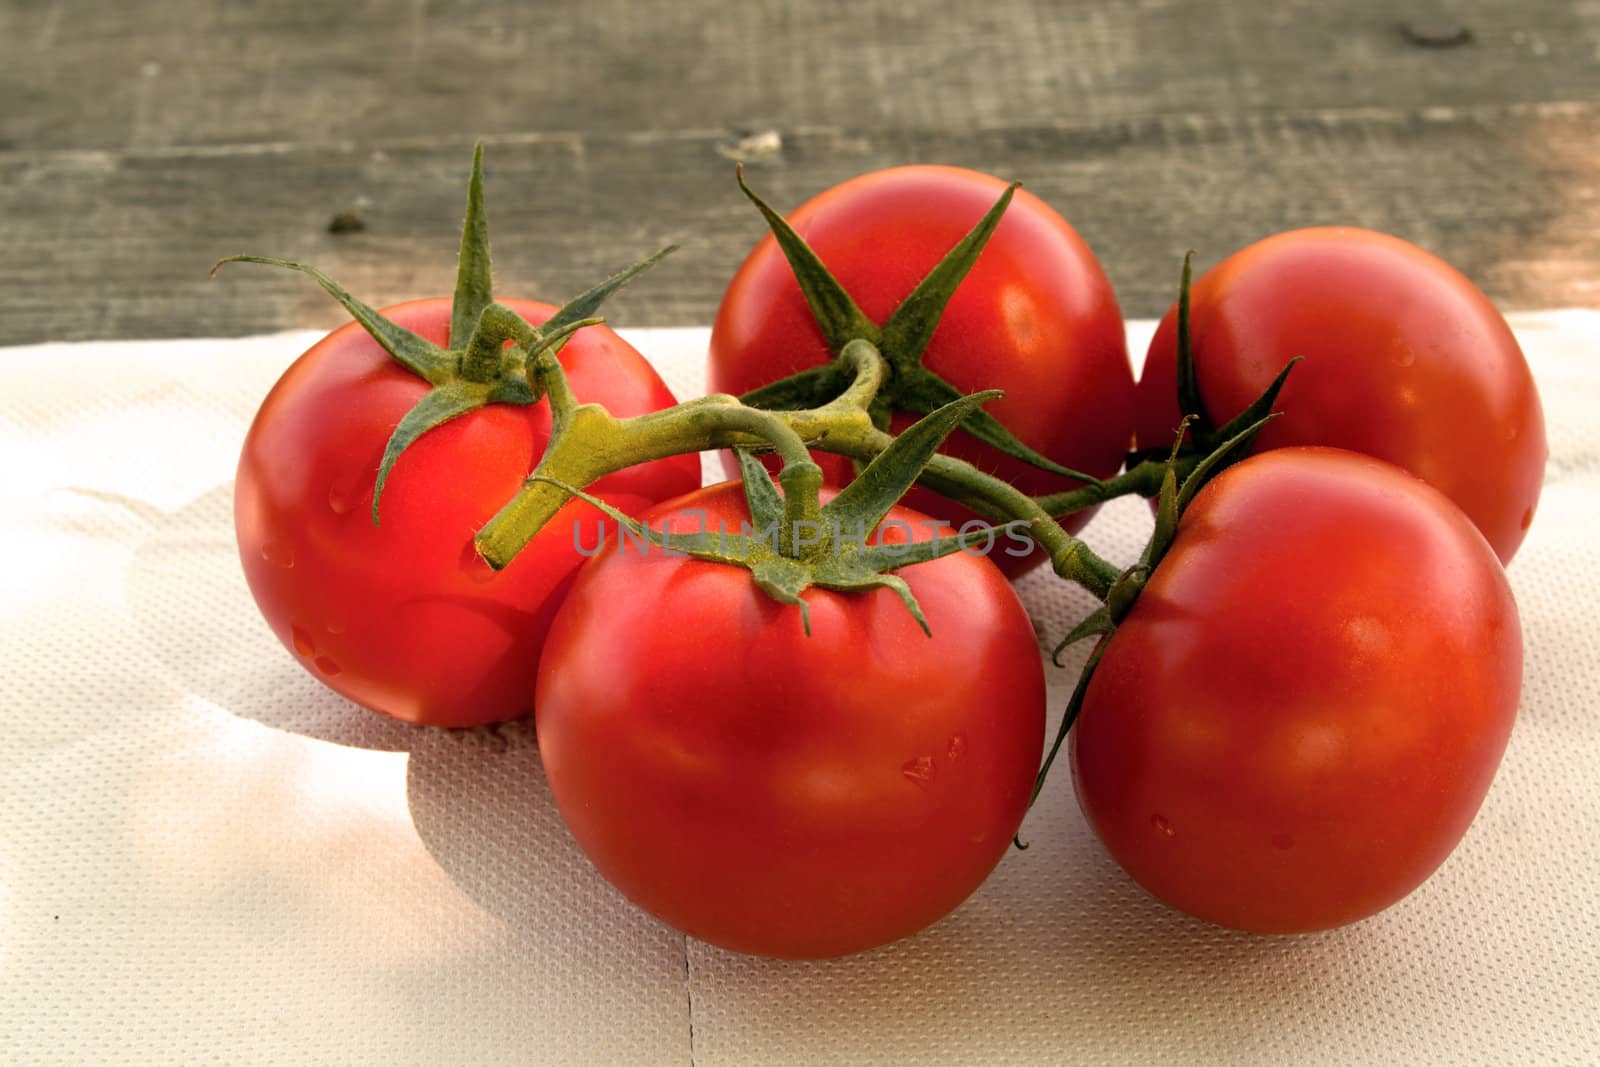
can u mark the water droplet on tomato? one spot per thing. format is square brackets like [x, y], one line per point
[335, 627]
[302, 641]
[327, 666]
[919, 769]
[1163, 827]
[958, 747]
[279, 555]
[341, 499]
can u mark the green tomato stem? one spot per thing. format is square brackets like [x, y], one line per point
[550, 379]
[867, 368]
[592, 443]
[1143, 479]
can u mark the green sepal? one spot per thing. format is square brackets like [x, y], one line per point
[483, 356]
[765, 503]
[867, 499]
[880, 413]
[510, 382]
[911, 325]
[1168, 506]
[864, 567]
[810, 388]
[458, 396]
[1096, 624]
[473, 267]
[423, 358]
[717, 546]
[881, 557]
[864, 503]
[477, 368]
[549, 342]
[896, 585]
[836, 563]
[1068, 717]
[1189, 401]
[834, 309]
[1251, 419]
[1218, 458]
[784, 579]
[486, 372]
[1257, 411]
[443, 403]
[1124, 592]
[1171, 502]
[902, 339]
[919, 390]
[586, 303]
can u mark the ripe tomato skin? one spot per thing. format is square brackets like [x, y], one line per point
[780, 794]
[1301, 714]
[403, 617]
[1405, 359]
[1036, 317]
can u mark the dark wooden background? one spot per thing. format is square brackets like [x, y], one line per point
[140, 141]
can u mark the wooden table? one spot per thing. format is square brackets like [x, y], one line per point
[141, 141]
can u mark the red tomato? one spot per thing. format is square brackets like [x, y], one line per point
[1299, 717]
[1404, 360]
[1036, 317]
[403, 617]
[781, 794]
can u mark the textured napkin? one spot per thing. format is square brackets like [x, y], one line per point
[204, 856]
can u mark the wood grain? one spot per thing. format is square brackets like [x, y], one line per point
[143, 73]
[140, 143]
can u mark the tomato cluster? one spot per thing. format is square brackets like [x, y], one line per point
[1299, 695]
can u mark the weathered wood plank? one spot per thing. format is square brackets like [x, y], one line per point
[117, 244]
[145, 73]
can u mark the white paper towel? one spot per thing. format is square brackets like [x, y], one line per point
[204, 856]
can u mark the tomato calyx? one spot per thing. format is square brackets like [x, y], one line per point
[793, 542]
[588, 442]
[1182, 479]
[492, 354]
[902, 339]
[1204, 436]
